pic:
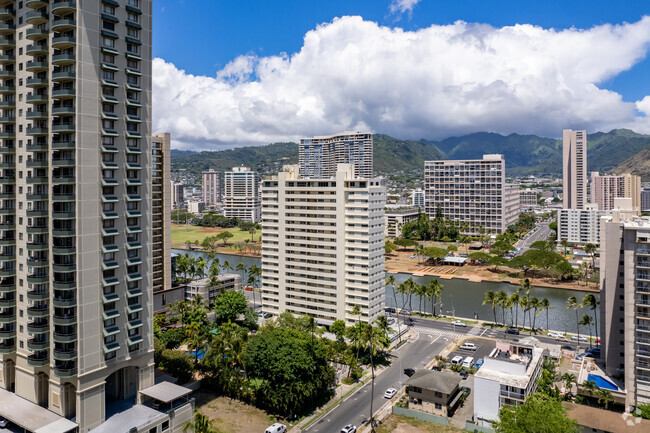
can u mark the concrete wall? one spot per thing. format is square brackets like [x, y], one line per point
[486, 398]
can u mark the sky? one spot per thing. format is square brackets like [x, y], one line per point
[231, 73]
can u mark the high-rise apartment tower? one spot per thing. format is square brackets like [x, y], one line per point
[323, 245]
[211, 187]
[319, 156]
[241, 194]
[161, 196]
[76, 214]
[574, 169]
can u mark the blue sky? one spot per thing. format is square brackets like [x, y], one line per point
[197, 39]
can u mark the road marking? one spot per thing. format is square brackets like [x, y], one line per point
[429, 331]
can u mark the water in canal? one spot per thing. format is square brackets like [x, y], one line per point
[465, 298]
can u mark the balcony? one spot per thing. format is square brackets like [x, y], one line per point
[36, 50]
[7, 134]
[36, 82]
[6, 28]
[7, 44]
[62, 7]
[62, 197]
[37, 180]
[62, 42]
[38, 311]
[63, 76]
[63, 268]
[36, 34]
[6, 59]
[63, 144]
[38, 360]
[6, 349]
[38, 327]
[62, 24]
[65, 372]
[34, 66]
[36, 17]
[64, 302]
[7, 90]
[37, 98]
[7, 272]
[7, 104]
[64, 285]
[37, 115]
[38, 295]
[7, 333]
[63, 127]
[65, 180]
[7, 317]
[63, 231]
[60, 337]
[7, 303]
[63, 59]
[63, 93]
[37, 132]
[36, 4]
[64, 355]
[38, 344]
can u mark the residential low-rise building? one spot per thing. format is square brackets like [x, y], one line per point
[580, 226]
[528, 198]
[508, 376]
[208, 291]
[435, 392]
[195, 206]
[396, 218]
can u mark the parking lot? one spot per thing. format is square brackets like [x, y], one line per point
[483, 349]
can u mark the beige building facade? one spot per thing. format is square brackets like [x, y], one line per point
[76, 178]
[319, 156]
[161, 196]
[604, 189]
[212, 187]
[574, 169]
[241, 194]
[323, 245]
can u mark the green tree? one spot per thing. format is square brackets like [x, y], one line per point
[404, 243]
[513, 301]
[199, 424]
[565, 245]
[590, 302]
[591, 250]
[587, 321]
[491, 299]
[540, 413]
[435, 291]
[229, 305]
[373, 337]
[479, 256]
[390, 281]
[224, 236]
[544, 305]
[605, 397]
[502, 301]
[435, 253]
[289, 369]
[572, 302]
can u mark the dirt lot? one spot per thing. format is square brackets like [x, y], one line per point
[400, 424]
[232, 416]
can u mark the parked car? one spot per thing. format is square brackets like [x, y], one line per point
[464, 374]
[513, 331]
[466, 389]
[468, 346]
[555, 335]
[391, 322]
[479, 363]
[276, 428]
[249, 288]
[267, 315]
[458, 323]
[576, 338]
[390, 393]
[405, 312]
[3, 422]
[389, 310]
[349, 429]
[457, 360]
[469, 362]
[409, 372]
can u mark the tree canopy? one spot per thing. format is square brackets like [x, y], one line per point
[229, 305]
[539, 414]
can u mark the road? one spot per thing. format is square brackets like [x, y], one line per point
[356, 409]
[540, 233]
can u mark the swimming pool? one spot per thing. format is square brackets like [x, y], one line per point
[601, 382]
[193, 353]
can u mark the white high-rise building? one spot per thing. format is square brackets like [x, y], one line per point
[319, 156]
[211, 187]
[580, 226]
[574, 169]
[323, 245]
[472, 191]
[241, 194]
[417, 198]
[76, 283]
[178, 197]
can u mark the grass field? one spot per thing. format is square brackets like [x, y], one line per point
[401, 424]
[232, 416]
[182, 234]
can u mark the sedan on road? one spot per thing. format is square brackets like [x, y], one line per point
[458, 323]
[513, 331]
[349, 429]
[576, 338]
[390, 393]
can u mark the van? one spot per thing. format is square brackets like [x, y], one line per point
[457, 360]
[469, 362]
[468, 346]
[276, 428]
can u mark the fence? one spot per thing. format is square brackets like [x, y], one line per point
[471, 427]
[422, 416]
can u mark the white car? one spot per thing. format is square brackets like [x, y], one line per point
[276, 428]
[576, 338]
[555, 335]
[390, 393]
[457, 360]
[349, 429]
[458, 323]
[469, 362]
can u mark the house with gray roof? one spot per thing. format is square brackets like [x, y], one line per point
[435, 392]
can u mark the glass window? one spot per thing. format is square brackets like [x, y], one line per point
[108, 42]
[108, 25]
[109, 9]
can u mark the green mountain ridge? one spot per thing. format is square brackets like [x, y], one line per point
[524, 154]
[639, 165]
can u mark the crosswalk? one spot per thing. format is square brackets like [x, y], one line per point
[424, 330]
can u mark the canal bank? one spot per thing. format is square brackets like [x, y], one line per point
[464, 298]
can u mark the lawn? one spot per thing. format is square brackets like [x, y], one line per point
[232, 416]
[182, 234]
[401, 424]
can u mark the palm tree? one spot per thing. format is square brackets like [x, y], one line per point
[502, 300]
[525, 286]
[491, 299]
[372, 338]
[513, 301]
[200, 267]
[435, 291]
[605, 397]
[584, 272]
[356, 311]
[533, 304]
[201, 424]
[590, 301]
[390, 281]
[572, 302]
[523, 303]
[587, 321]
[381, 323]
[589, 386]
[569, 380]
[227, 266]
[241, 268]
[195, 339]
[421, 291]
[545, 305]
[565, 245]
[591, 250]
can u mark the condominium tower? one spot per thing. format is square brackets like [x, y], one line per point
[574, 169]
[241, 194]
[76, 215]
[161, 212]
[323, 245]
[211, 187]
[473, 192]
[320, 155]
[625, 303]
[178, 197]
[605, 188]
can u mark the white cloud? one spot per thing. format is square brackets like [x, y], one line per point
[432, 83]
[401, 6]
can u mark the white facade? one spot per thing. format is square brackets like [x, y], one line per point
[472, 191]
[574, 169]
[323, 245]
[528, 198]
[202, 287]
[212, 187]
[625, 303]
[417, 198]
[580, 226]
[320, 155]
[195, 207]
[178, 198]
[396, 218]
[506, 378]
[241, 194]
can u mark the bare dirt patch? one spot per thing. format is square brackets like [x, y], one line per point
[400, 424]
[232, 416]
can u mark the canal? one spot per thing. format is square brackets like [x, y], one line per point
[464, 299]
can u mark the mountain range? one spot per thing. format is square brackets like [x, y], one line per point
[616, 150]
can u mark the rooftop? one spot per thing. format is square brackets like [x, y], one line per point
[441, 381]
[136, 416]
[605, 420]
[166, 392]
[513, 366]
[31, 416]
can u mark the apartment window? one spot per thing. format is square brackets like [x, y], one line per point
[108, 141]
[132, 79]
[109, 355]
[165, 426]
[134, 33]
[108, 108]
[108, 58]
[108, 124]
[132, 111]
[132, 17]
[134, 3]
[108, 42]
[153, 430]
[109, 322]
[108, 75]
[109, 9]
[108, 91]
[133, 64]
[108, 25]
[131, 48]
[132, 95]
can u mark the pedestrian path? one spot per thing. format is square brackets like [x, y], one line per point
[477, 330]
[424, 330]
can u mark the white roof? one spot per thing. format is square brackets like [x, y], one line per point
[166, 391]
[136, 416]
[31, 416]
[454, 259]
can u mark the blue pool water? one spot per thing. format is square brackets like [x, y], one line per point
[601, 382]
[193, 352]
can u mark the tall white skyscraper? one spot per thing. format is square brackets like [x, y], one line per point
[574, 169]
[319, 156]
[212, 187]
[323, 245]
[241, 194]
[76, 216]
